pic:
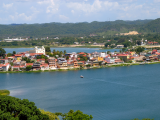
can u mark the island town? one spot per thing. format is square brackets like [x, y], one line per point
[43, 59]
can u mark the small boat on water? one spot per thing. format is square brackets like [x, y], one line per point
[81, 76]
[142, 63]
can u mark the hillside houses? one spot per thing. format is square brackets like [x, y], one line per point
[40, 61]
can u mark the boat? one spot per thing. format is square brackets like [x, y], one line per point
[81, 76]
[142, 63]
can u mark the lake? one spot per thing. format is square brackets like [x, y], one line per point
[116, 93]
[69, 50]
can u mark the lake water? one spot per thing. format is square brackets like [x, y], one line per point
[69, 50]
[117, 93]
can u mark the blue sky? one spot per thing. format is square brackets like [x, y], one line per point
[46, 11]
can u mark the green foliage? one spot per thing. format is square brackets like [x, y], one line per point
[47, 49]
[139, 49]
[9, 55]
[77, 115]
[27, 60]
[52, 116]
[4, 92]
[83, 58]
[2, 52]
[67, 57]
[14, 52]
[12, 108]
[138, 42]
[108, 44]
[88, 65]
[28, 68]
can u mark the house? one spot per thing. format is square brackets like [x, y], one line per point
[44, 66]
[29, 64]
[3, 61]
[123, 57]
[95, 63]
[18, 57]
[78, 64]
[52, 63]
[154, 51]
[76, 43]
[6, 66]
[117, 61]
[36, 66]
[1, 69]
[120, 46]
[41, 60]
[62, 63]
[38, 50]
[109, 60]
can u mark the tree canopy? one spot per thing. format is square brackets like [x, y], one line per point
[2, 52]
[12, 108]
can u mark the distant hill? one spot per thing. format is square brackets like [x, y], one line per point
[153, 26]
[77, 29]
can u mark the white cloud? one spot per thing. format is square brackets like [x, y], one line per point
[63, 17]
[72, 11]
[7, 6]
[52, 6]
[156, 0]
[22, 16]
[95, 7]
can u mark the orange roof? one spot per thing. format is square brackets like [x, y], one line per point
[81, 53]
[40, 60]
[6, 64]
[27, 64]
[45, 65]
[32, 54]
[1, 65]
[18, 55]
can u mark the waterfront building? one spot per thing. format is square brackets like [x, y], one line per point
[52, 63]
[38, 50]
[36, 66]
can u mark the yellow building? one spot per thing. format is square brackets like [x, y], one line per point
[100, 58]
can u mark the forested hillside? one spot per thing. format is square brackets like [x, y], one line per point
[78, 29]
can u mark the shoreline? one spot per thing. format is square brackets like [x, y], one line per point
[85, 68]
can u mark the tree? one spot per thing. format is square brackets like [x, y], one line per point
[139, 49]
[67, 57]
[108, 52]
[29, 67]
[9, 55]
[14, 52]
[77, 115]
[52, 116]
[2, 52]
[64, 52]
[138, 42]
[48, 49]
[12, 108]
[107, 44]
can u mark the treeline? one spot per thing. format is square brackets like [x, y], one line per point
[86, 40]
[76, 29]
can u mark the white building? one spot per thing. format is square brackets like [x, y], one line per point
[38, 50]
[110, 60]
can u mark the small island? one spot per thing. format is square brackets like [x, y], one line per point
[43, 59]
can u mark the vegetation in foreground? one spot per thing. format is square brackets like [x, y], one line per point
[12, 108]
[4, 92]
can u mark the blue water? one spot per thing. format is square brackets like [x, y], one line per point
[69, 50]
[118, 93]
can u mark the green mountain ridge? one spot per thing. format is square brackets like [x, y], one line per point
[78, 29]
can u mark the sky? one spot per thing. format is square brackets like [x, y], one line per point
[72, 11]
